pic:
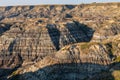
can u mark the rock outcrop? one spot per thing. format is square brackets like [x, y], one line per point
[60, 42]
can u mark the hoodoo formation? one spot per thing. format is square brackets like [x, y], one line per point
[60, 42]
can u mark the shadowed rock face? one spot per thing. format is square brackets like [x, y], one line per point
[68, 69]
[60, 42]
[65, 72]
[4, 28]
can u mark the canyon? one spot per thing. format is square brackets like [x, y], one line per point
[60, 42]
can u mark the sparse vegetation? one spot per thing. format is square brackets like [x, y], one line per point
[87, 45]
[77, 38]
[116, 74]
[117, 59]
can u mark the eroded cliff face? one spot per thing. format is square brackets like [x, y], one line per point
[33, 44]
[63, 42]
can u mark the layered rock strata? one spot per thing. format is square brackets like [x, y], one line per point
[60, 42]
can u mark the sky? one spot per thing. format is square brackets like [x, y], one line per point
[39, 2]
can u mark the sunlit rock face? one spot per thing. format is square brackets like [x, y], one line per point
[60, 42]
[36, 43]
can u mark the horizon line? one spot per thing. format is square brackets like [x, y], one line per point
[58, 4]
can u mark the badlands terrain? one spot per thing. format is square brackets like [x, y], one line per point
[60, 42]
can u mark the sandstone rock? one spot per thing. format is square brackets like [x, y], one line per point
[59, 42]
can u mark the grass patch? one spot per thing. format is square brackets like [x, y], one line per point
[117, 59]
[116, 74]
[87, 45]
